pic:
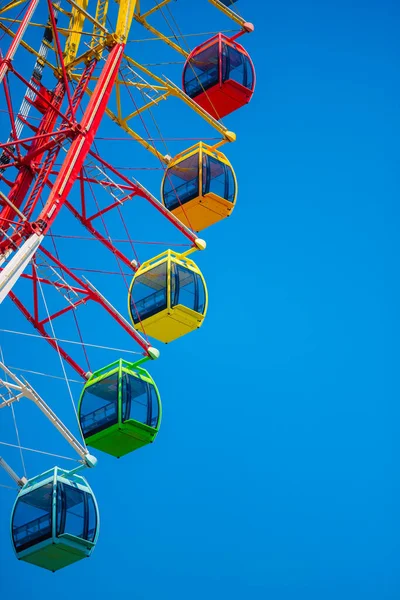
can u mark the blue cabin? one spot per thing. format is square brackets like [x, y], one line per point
[55, 520]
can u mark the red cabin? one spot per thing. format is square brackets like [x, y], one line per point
[219, 76]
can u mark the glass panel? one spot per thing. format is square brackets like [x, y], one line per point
[202, 71]
[149, 293]
[181, 182]
[230, 186]
[99, 406]
[73, 518]
[59, 509]
[92, 519]
[237, 66]
[187, 289]
[218, 178]
[154, 407]
[31, 522]
[137, 400]
[76, 512]
[225, 63]
[201, 295]
[174, 287]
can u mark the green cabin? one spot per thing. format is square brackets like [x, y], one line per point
[120, 409]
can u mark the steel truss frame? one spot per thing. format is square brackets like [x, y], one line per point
[34, 170]
[34, 157]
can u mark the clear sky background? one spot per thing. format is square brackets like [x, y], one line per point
[275, 473]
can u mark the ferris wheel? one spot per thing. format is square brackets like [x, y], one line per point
[79, 81]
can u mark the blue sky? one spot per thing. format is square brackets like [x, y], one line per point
[275, 473]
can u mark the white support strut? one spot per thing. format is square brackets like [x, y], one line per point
[22, 389]
[20, 481]
[14, 269]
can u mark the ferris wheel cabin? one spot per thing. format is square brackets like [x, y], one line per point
[55, 520]
[120, 409]
[167, 297]
[219, 76]
[199, 187]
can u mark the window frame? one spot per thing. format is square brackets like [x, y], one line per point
[207, 179]
[246, 62]
[88, 386]
[136, 318]
[42, 538]
[196, 278]
[178, 162]
[61, 497]
[149, 386]
[215, 41]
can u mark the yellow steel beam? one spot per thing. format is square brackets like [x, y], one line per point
[99, 34]
[11, 5]
[134, 84]
[228, 12]
[61, 30]
[153, 10]
[174, 90]
[121, 122]
[125, 17]
[10, 20]
[142, 86]
[101, 19]
[119, 103]
[161, 36]
[86, 56]
[146, 106]
[118, 99]
[218, 144]
[142, 68]
[80, 8]
[76, 23]
[64, 12]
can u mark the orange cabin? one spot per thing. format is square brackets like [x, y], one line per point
[199, 187]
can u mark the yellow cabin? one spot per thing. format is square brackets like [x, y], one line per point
[167, 297]
[199, 187]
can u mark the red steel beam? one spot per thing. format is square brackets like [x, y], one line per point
[35, 291]
[94, 296]
[40, 328]
[57, 284]
[160, 207]
[80, 146]
[5, 63]
[33, 138]
[42, 97]
[60, 57]
[86, 223]
[111, 206]
[65, 310]
[11, 115]
[89, 293]
[26, 173]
